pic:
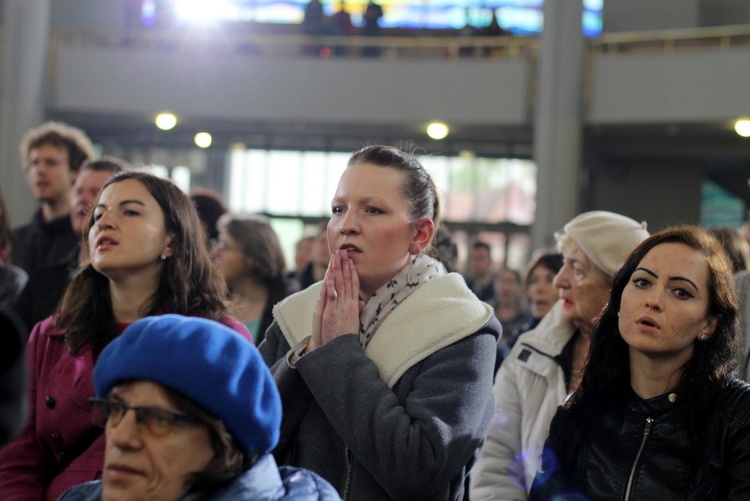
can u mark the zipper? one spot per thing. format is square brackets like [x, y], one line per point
[646, 433]
[348, 454]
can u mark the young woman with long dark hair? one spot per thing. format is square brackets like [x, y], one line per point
[146, 257]
[659, 413]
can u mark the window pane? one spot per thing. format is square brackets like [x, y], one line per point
[181, 177]
[284, 168]
[293, 183]
[247, 181]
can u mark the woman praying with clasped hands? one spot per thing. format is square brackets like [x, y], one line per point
[385, 367]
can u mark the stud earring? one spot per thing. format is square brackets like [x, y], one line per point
[163, 257]
[702, 337]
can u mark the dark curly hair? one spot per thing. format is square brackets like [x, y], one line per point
[61, 135]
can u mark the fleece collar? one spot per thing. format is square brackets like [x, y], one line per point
[439, 313]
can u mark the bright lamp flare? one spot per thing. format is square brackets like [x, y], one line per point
[201, 11]
[203, 139]
[742, 127]
[165, 121]
[437, 130]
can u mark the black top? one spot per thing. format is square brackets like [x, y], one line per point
[12, 281]
[39, 244]
[638, 449]
[45, 289]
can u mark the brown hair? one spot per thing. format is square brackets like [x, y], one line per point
[61, 135]
[113, 165]
[210, 207]
[259, 244]
[263, 257]
[228, 462]
[552, 261]
[190, 284]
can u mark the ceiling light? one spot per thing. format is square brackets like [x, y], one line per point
[165, 121]
[437, 130]
[742, 127]
[203, 139]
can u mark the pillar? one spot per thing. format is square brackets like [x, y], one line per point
[558, 118]
[22, 95]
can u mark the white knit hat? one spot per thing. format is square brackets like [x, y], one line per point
[605, 237]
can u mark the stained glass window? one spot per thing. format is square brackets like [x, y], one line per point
[521, 17]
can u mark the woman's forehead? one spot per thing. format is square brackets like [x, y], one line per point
[145, 392]
[571, 252]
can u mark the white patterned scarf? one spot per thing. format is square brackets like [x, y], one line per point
[421, 269]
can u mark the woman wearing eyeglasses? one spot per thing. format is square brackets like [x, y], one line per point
[190, 411]
[146, 257]
[249, 256]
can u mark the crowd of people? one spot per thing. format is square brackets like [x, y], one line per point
[611, 367]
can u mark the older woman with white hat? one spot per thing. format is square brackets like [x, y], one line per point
[545, 364]
[205, 414]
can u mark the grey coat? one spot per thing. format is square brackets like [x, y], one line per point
[416, 439]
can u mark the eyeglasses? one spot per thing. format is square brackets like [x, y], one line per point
[218, 245]
[158, 420]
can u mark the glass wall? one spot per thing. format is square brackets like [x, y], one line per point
[477, 193]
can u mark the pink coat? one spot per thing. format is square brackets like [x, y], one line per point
[59, 422]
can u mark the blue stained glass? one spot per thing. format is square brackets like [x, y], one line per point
[522, 17]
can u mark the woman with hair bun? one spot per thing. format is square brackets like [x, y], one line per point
[385, 367]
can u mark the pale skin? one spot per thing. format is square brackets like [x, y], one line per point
[541, 292]
[83, 195]
[250, 301]
[143, 467]
[584, 290]
[369, 204]
[507, 291]
[128, 214]
[51, 178]
[480, 264]
[663, 314]
[250, 295]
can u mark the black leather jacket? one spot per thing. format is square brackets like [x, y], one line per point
[638, 451]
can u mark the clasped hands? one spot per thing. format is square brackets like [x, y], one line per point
[337, 310]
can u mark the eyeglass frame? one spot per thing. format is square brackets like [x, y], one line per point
[144, 415]
[218, 245]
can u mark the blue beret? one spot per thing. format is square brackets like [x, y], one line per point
[205, 361]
